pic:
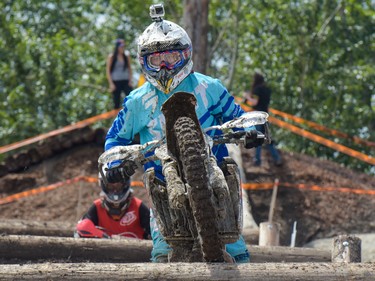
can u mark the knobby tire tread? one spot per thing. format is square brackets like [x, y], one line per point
[191, 147]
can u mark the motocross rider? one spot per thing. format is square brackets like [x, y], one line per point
[165, 55]
[116, 212]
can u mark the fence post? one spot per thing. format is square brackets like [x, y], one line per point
[269, 230]
[346, 248]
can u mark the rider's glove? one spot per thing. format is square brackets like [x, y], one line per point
[253, 138]
[85, 228]
[121, 173]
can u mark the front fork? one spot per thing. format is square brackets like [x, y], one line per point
[171, 200]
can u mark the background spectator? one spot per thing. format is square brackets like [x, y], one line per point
[119, 72]
[259, 98]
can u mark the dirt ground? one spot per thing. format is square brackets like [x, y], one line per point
[319, 213]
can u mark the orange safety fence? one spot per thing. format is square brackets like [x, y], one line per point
[319, 139]
[65, 129]
[246, 186]
[322, 128]
[313, 125]
[42, 189]
[269, 185]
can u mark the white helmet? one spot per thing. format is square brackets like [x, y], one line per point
[165, 54]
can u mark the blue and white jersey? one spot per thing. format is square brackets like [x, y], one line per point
[142, 114]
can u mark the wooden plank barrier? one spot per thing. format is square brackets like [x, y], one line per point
[39, 228]
[66, 229]
[68, 249]
[189, 271]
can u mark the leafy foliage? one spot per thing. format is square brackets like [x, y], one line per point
[318, 56]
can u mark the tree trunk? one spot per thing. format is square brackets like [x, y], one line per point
[196, 25]
[188, 271]
[234, 55]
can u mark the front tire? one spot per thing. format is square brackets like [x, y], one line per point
[194, 164]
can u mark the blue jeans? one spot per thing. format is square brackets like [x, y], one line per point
[161, 249]
[274, 153]
[258, 151]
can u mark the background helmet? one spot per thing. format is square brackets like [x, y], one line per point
[116, 197]
[165, 54]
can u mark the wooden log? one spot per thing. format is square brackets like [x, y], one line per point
[25, 247]
[25, 227]
[261, 254]
[188, 271]
[346, 248]
[65, 229]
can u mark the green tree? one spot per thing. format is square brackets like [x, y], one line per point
[317, 55]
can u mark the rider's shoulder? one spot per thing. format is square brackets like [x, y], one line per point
[208, 80]
[202, 77]
[139, 92]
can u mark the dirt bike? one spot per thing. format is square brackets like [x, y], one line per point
[198, 205]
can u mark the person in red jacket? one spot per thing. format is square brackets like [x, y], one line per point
[116, 213]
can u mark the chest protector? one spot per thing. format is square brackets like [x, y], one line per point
[129, 225]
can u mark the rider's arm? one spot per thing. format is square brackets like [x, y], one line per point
[224, 104]
[122, 129]
[144, 216]
[92, 215]
[86, 227]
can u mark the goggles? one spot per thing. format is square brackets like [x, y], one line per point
[168, 59]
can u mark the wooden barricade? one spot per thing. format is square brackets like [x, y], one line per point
[189, 271]
[45, 248]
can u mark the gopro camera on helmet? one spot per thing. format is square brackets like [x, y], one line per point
[157, 12]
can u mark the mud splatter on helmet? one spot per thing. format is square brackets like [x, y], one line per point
[165, 54]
